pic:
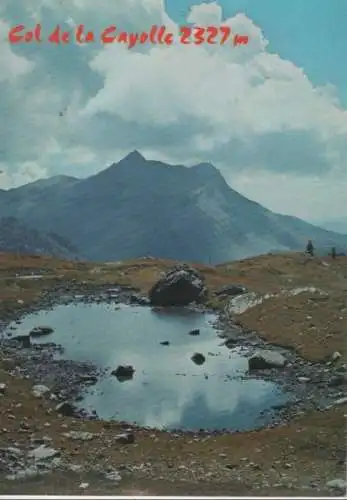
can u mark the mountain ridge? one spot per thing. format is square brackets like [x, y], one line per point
[17, 237]
[139, 207]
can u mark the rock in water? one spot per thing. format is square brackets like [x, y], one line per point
[180, 286]
[194, 332]
[266, 359]
[40, 331]
[124, 372]
[198, 358]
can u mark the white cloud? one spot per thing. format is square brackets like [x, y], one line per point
[314, 198]
[245, 109]
[12, 66]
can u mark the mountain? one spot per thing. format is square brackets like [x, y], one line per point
[140, 207]
[338, 225]
[15, 236]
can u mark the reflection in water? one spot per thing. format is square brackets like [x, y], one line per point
[167, 389]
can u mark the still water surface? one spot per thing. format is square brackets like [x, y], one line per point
[168, 389]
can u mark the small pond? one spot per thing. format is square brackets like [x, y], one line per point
[168, 390]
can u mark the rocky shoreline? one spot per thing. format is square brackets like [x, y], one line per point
[312, 386]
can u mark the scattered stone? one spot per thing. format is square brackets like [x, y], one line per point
[337, 402]
[66, 409]
[14, 451]
[303, 379]
[166, 342]
[75, 468]
[335, 356]
[125, 438]
[231, 290]
[43, 453]
[83, 486]
[3, 388]
[39, 391]
[138, 299]
[24, 340]
[88, 379]
[24, 474]
[79, 436]
[338, 380]
[40, 441]
[198, 358]
[266, 359]
[40, 331]
[230, 342]
[194, 332]
[124, 372]
[180, 286]
[337, 484]
[113, 475]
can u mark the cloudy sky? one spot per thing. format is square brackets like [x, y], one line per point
[271, 115]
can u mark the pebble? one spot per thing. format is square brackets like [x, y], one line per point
[39, 391]
[125, 438]
[40, 441]
[75, 468]
[84, 485]
[15, 451]
[335, 356]
[79, 436]
[113, 476]
[3, 388]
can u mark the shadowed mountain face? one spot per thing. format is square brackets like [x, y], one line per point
[15, 236]
[139, 207]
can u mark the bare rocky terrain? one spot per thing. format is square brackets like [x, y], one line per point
[292, 302]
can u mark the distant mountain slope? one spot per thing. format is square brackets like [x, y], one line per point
[18, 237]
[338, 225]
[139, 207]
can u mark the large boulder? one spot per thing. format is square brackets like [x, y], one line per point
[180, 286]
